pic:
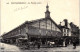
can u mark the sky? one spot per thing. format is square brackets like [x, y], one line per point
[16, 12]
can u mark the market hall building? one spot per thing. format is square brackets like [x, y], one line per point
[42, 29]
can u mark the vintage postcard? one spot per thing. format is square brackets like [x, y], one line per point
[39, 26]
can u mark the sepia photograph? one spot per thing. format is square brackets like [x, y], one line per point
[39, 26]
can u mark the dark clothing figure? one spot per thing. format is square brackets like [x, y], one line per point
[28, 45]
[34, 44]
[66, 44]
[74, 44]
[38, 44]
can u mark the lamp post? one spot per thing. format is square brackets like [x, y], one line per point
[40, 35]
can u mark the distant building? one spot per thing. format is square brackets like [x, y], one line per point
[74, 30]
[65, 27]
[70, 31]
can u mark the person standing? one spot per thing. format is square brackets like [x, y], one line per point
[38, 44]
[74, 44]
[64, 43]
[34, 43]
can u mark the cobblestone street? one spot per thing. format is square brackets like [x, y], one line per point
[12, 48]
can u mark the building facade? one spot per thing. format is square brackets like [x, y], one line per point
[74, 30]
[43, 30]
[65, 27]
[70, 31]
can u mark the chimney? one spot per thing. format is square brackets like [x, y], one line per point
[66, 22]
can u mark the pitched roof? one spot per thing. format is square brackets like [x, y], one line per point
[33, 21]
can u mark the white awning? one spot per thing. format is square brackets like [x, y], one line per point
[23, 38]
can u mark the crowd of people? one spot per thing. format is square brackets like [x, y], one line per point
[38, 44]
